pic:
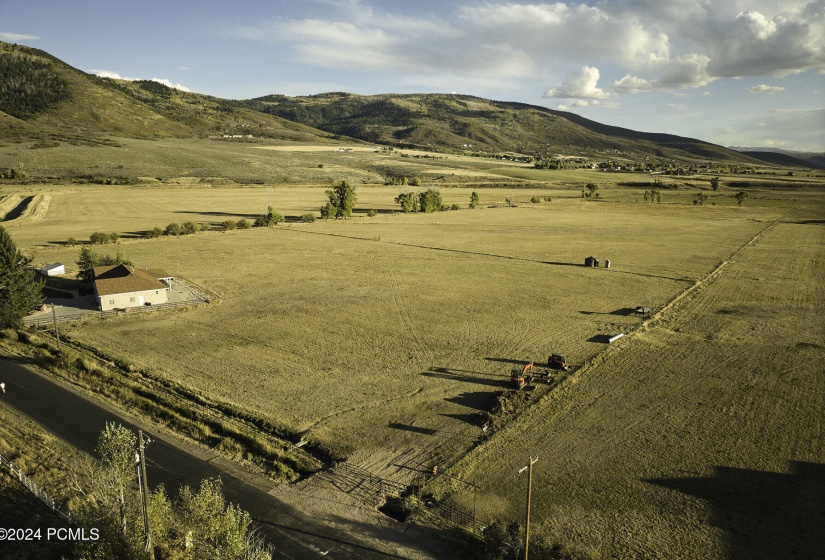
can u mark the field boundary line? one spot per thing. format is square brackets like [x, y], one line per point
[481, 254]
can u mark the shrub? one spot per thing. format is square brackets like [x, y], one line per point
[229, 225]
[174, 229]
[191, 227]
[243, 224]
[455, 206]
[71, 242]
[153, 233]
[307, 218]
[372, 213]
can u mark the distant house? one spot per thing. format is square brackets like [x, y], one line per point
[54, 269]
[122, 286]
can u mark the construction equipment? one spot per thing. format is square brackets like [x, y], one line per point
[557, 361]
[521, 377]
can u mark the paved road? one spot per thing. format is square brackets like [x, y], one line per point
[80, 421]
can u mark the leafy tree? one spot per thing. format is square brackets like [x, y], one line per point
[86, 262]
[243, 224]
[591, 189]
[429, 200]
[119, 258]
[229, 225]
[474, 200]
[700, 198]
[20, 291]
[197, 525]
[271, 218]
[740, 197]
[101, 238]
[408, 201]
[714, 183]
[154, 233]
[342, 200]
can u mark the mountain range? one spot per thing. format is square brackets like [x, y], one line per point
[44, 99]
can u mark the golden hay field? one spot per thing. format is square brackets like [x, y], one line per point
[383, 337]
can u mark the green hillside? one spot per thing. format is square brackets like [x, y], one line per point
[452, 122]
[46, 100]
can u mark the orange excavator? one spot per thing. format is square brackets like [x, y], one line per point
[521, 377]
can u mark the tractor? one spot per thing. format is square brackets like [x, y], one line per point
[557, 361]
[519, 377]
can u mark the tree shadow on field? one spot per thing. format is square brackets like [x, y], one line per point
[444, 373]
[220, 214]
[473, 419]
[765, 514]
[509, 361]
[481, 400]
[410, 428]
[376, 210]
[623, 312]
[600, 339]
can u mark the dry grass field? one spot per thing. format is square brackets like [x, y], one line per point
[700, 436]
[384, 337]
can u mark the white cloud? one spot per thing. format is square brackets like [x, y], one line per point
[653, 44]
[582, 84]
[677, 106]
[167, 83]
[183, 68]
[766, 89]
[117, 76]
[14, 37]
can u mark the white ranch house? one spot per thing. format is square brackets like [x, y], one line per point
[123, 286]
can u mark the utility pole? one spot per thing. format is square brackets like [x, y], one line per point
[144, 495]
[529, 469]
[56, 332]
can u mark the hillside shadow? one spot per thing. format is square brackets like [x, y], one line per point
[764, 514]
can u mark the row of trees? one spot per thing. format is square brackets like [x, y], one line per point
[429, 201]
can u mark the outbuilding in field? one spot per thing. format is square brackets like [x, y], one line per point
[591, 261]
[54, 269]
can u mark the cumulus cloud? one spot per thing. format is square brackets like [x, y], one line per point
[653, 44]
[117, 76]
[14, 37]
[766, 89]
[582, 84]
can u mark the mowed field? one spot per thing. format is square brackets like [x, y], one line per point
[385, 337]
[701, 436]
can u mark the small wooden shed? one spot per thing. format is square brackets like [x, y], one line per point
[591, 261]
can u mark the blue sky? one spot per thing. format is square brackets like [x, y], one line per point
[733, 72]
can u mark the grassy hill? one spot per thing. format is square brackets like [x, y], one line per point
[48, 100]
[42, 98]
[443, 121]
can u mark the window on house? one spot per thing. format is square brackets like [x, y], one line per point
[111, 302]
[132, 299]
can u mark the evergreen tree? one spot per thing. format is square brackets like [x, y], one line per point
[20, 291]
[86, 262]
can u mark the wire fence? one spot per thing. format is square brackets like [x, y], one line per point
[32, 487]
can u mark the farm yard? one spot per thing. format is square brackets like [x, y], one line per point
[386, 338]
